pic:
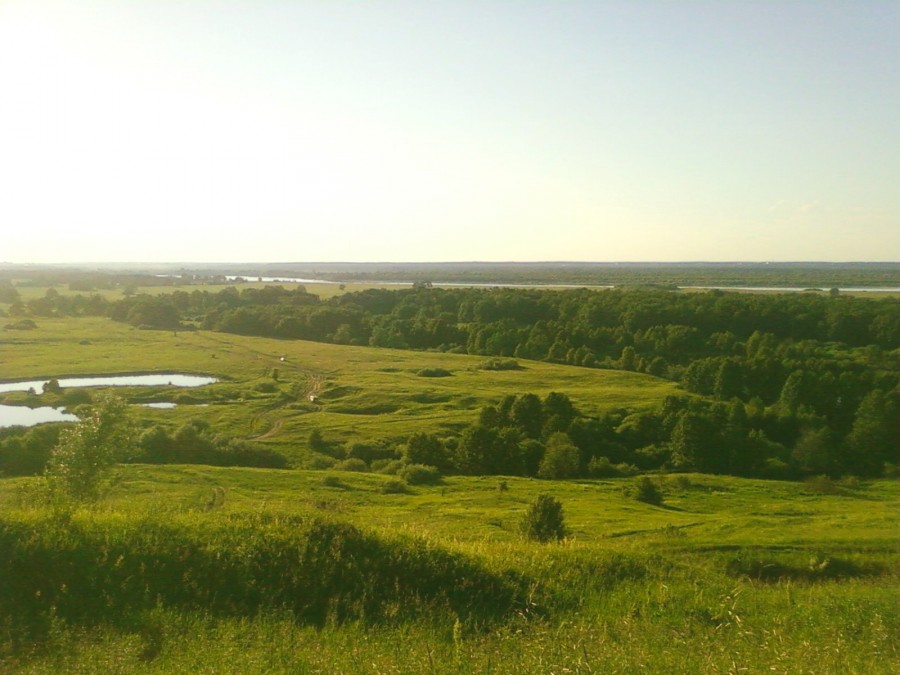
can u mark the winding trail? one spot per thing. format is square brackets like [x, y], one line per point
[315, 381]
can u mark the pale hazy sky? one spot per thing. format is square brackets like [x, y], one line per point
[262, 130]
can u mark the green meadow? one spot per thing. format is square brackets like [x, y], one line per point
[198, 569]
[728, 575]
[361, 394]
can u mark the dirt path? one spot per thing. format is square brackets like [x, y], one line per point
[275, 428]
[315, 380]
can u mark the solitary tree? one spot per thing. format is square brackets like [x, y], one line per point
[81, 461]
[544, 520]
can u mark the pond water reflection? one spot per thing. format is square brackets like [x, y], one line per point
[153, 380]
[19, 415]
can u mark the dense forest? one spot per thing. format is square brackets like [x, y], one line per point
[775, 385]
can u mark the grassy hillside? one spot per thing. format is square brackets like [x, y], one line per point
[728, 575]
[362, 393]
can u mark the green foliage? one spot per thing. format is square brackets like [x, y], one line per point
[427, 449]
[544, 520]
[817, 570]
[601, 467]
[196, 443]
[237, 566]
[561, 458]
[394, 486]
[81, 462]
[420, 474]
[645, 490]
[500, 364]
[434, 372]
[352, 464]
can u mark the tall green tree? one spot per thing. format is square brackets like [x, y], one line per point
[81, 462]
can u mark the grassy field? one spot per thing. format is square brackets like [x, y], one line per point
[363, 394]
[728, 575]
[195, 569]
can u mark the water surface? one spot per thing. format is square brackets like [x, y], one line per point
[19, 415]
[154, 380]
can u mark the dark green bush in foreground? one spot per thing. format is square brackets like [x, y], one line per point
[104, 567]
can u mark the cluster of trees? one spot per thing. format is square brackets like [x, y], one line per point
[549, 438]
[196, 443]
[30, 451]
[791, 376]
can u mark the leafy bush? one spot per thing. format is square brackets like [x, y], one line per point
[821, 485]
[646, 491]
[420, 474]
[390, 467]
[601, 467]
[333, 481]
[394, 486]
[194, 443]
[23, 324]
[434, 372]
[352, 464]
[544, 520]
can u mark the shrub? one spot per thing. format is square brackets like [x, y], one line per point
[821, 485]
[76, 396]
[434, 372]
[544, 520]
[601, 467]
[394, 486]
[333, 481]
[352, 464]
[390, 467]
[420, 474]
[647, 492]
[23, 324]
[500, 364]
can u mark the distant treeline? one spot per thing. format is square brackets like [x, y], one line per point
[787, 369]
[803, 275]
[790, 274]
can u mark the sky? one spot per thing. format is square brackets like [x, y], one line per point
[277, 130]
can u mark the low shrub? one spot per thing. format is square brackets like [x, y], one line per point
[816, 568]
[333, 481]
[394, 486]
[500, 364]
[646, 491]
[544, 520]
[434, 372]
[389, 467]
[23, 324]
[821, 485]
[420, 474]
[601, 467]
[352, 464]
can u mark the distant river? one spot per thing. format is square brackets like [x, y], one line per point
[794, 289]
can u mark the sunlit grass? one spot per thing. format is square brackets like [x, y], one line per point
[364, 394]
[637, 588]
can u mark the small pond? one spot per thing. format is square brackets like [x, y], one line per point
[154, 380]
[20, 415]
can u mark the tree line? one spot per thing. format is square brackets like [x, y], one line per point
[798, 377]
